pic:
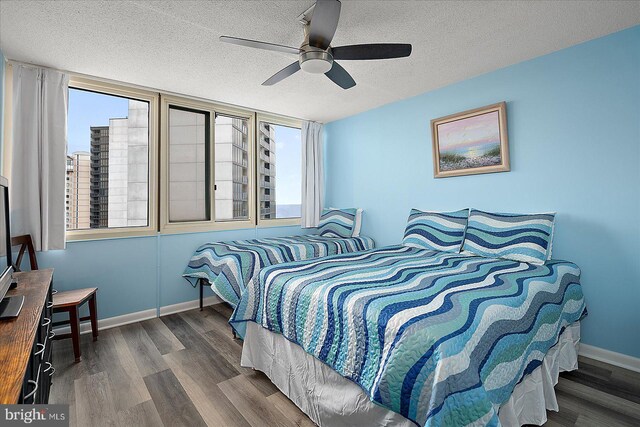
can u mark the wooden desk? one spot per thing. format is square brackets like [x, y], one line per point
[23, 337]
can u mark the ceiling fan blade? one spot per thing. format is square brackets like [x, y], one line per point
[324, 22]
[340, 76]
[282, 74]
[260, 45]
[372, 51]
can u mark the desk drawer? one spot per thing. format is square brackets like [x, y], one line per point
[40, 369]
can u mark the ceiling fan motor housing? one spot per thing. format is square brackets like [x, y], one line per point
[316, 61]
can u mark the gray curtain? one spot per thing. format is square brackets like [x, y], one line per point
[38, 162]
[312, 174]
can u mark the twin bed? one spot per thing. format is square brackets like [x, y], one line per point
[228, 266]
[405, 335]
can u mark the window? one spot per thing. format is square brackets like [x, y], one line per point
[110, 185]
[188, 165]
[232, 168]
[279, 169]
[219, 167]
[207, 151]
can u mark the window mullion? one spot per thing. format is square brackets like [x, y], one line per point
[212, 162]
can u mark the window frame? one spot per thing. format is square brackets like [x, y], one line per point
[282, 121]
[108, 88]
[158, 154]
[172, 227]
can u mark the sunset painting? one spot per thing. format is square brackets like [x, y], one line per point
[471, 142]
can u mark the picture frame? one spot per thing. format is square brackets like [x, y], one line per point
[471, 142]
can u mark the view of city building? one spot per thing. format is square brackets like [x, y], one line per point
[78, 186]
[267, 170]
[107, 185]
[285, 174]
[99, 176]
[231, 168]
[128, 160]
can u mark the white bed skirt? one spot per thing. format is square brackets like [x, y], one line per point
[331, 400]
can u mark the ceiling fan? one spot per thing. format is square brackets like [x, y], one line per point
[316, 55]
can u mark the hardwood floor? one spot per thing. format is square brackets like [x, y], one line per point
[184, 369]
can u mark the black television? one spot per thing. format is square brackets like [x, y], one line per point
[9, 307]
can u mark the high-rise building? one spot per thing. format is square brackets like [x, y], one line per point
[78, 191]
[128, 167]
[69, 195]
[267, 170]
[120, 170]
[99, 176]
[232, 168]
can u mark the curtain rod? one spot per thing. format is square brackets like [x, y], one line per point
[150, 89]
[32, 65]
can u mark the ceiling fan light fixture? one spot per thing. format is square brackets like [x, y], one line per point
[316, 55]
[316, 62]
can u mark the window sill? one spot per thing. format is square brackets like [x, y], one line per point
[204, 226]
[175, 229]
[283, 222]
[94, 234]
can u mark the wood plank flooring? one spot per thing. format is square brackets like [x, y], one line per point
[184, 369]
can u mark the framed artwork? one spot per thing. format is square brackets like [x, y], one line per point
[471, 142]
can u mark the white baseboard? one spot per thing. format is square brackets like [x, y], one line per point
[139, 316]
[610, 357]
[111, 322]
[188, 305]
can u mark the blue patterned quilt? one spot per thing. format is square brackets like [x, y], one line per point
[229, 266]
[440, 338]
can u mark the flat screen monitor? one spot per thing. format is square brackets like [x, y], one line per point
[6, 262]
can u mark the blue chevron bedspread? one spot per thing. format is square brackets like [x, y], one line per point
[440, 338]
[229, 266]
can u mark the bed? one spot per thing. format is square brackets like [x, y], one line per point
[408, 336]
[228, 266]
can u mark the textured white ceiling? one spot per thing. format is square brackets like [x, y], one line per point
[173, 45]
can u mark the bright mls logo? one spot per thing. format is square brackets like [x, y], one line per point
[36, 415]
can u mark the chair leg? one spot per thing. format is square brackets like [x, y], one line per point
[74, 321]
[93, 314]
[201, 293]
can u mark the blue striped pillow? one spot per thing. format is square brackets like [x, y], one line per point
[519, 237]
[439, 231]
[337, 222]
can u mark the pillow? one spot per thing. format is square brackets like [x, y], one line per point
[337, 222]
[358, 223]
[438, 231]
[358, 226]
[519, 237]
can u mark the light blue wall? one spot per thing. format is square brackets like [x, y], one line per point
[574, 136]
[124, 270]
[135, 274]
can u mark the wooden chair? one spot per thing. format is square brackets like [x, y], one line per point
[63, 302]
[26, 245]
